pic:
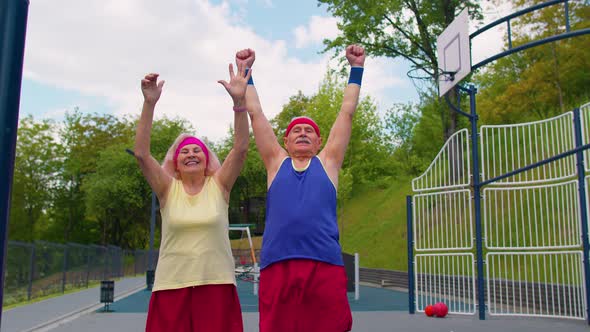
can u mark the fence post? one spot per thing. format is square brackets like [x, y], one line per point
[357, 279]
[105, 272]
[135, 262]
[410, 242]
[65, 270]
[88, 265]
[121, 262]
[582, 201]
[152, 230]
[115, 266]
[477, 204]
[32, 272]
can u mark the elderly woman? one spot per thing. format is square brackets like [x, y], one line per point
[195, 286]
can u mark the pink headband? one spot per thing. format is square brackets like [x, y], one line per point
[191, 140]
[302, 120]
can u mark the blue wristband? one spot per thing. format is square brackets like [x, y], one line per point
[250, 81]
[356, 75]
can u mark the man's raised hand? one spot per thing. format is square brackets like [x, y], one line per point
[246, 56]
[355, 55]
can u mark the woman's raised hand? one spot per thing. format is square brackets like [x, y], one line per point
[151, 88]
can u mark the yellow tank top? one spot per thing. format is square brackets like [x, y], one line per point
[195, 248]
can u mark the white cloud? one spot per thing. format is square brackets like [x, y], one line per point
[58, 113]
[491, 42]
[267, 3]
[318, 29]
[102, 48]
[383, 76]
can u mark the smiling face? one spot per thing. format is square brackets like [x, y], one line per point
[302, 140]
[191, 159]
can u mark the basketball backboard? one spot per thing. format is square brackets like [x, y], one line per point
[454, 53]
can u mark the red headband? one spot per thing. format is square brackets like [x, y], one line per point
[191, 140]
[302, 120]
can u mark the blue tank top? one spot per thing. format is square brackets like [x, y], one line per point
[301, 216]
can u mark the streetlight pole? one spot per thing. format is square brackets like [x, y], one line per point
[151, 268]
[13, 26]
[151, 264]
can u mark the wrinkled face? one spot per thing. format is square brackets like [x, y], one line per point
[302, 139]
[191, 159]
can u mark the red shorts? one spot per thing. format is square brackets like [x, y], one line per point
[300, 295]
[207, 308]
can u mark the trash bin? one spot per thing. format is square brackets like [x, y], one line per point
[349, 268]
[149, 279]
[107, 293]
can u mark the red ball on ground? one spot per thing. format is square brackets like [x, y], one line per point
[429, 310]
[441, 309]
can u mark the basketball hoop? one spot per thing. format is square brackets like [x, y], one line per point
[423, 81]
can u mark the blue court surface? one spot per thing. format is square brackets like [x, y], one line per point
[370, 299]
[377, 309]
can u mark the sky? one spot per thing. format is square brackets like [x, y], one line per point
[92, 55]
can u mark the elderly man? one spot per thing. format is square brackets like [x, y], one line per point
[302, 280]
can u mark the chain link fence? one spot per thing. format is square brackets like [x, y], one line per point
[41, 268]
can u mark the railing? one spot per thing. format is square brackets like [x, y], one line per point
[505, 295]
[533, 202]
[41, 268]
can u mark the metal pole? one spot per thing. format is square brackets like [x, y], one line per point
[13, 27]
[410, 241]
[256, 270]
[509, 34]
[65, 270]
[477, 204]
[152, 229]
[106, 263]
[134, 262]
[32, 273]
[567, 16]
[88, 265]
[356, 276]
[583, 211]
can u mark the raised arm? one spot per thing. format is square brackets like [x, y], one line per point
[335, 148]
[270, 150]
[158, 180]
[230, 170]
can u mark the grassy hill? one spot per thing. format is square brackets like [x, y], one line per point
[373, 223]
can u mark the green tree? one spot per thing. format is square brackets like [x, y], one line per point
[249, 191]
[34, 169]
[400, 122]
[296, 106]
[404, 29]
[367, 156]
[83, 136]
[117, 196]
[427, 137]
[542, 81]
